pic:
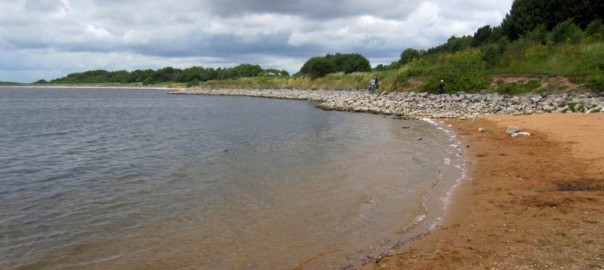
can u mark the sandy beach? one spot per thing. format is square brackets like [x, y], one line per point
[529, 203]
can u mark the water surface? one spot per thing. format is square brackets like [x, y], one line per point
[139, 179]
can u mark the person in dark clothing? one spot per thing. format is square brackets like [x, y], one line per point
[441, 87]
[372, 85]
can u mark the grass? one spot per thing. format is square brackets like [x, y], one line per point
[518, 88]
[336, 81]
[466, 70]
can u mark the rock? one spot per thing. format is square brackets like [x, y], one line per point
[419, 138]
[513, 129]
[521, 134]
[548, 108]
[536, 99]
[418, 105]
[481, 130]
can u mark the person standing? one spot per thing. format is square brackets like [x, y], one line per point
[372, 84]
[441, 87]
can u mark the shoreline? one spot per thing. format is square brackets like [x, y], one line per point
[532, 202]
[423, 105]
[89, 86]
[493, 220]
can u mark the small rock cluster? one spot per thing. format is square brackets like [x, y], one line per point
[515, 131]
[417, 105]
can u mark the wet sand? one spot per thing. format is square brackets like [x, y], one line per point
[529, 203]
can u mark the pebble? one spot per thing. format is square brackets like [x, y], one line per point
[419, 105]
[521, 134]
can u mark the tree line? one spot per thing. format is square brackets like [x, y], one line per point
[544, 21]
[191, 76]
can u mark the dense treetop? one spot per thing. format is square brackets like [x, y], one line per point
[319, 66]
[525, 15]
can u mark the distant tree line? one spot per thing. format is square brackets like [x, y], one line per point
[191, 76]
[320, 66]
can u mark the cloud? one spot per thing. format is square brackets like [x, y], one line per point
[61, 36]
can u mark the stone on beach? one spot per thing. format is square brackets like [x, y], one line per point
[521, 134]
[420, 105]
[513, 129]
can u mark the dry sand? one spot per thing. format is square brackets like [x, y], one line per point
[530, 203]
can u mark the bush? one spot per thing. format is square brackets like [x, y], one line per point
[491, 54]
[539, 34]
[193, 83]
[461, 71]
[568, 32]
[596, 84]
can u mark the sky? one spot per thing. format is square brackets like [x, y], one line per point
[48, 39]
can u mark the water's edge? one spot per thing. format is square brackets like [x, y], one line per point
[435, 194]
[437, 199]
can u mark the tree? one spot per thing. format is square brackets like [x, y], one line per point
[317, 67]
[595, 30]
[482, 36]
[455, 44]
[408, 55]
[567, 31]
[525, 15]
[320, 66]
[348, 63]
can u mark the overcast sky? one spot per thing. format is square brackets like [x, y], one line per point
[47, 39]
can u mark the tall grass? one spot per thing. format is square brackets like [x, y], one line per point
[335, 81]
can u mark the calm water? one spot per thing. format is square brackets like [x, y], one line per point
[139, 179]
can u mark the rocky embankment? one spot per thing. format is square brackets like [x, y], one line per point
[417, 105]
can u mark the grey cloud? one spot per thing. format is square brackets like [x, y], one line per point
[157, 32]
[43, 5]
[223, 45]
[315, 9]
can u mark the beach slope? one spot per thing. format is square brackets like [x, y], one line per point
[530, 202]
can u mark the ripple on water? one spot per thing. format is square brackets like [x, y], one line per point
[140, 179]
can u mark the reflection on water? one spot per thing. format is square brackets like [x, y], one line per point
[138, 179]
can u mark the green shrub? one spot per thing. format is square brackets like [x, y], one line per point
[568, 32]
[461, 71]
[594, 28]
[596, 84]
[491, 54]
[517, 88]
[574, 107]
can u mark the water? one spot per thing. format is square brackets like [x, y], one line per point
[139, 179]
